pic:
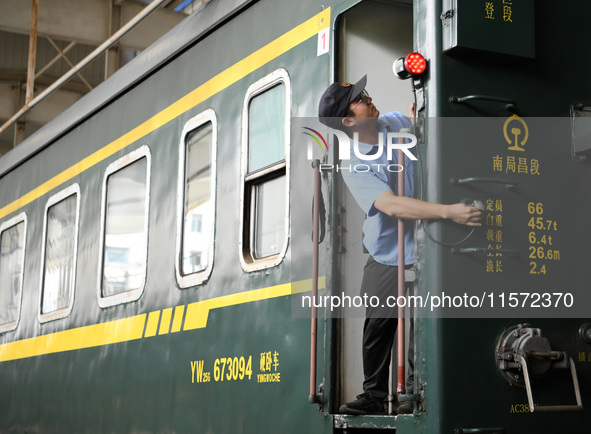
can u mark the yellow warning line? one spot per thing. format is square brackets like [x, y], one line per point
[121, 330]
[155, 323]
[197, 313]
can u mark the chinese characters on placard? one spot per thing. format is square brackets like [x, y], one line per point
[490, 12]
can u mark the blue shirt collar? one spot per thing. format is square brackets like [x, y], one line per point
[364, 148]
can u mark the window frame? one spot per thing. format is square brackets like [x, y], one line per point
[248, 261]
[195, 123]
[19, 218]
[114, 167]
[73, 190]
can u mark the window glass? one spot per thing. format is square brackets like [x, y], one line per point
[265, 172]
[125, 236]
[269, 204]
[266, 129]
[198, 206]
[59, 261]
[12, 255]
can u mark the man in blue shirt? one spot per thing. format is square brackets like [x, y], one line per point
[349, 108]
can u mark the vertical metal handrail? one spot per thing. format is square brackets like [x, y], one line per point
[401, 254]
[312, 398]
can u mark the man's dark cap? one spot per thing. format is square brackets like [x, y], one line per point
[334, 104]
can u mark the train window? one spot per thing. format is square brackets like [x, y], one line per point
[124, 229]
[59, 252]
[12, 261]
[196, 200]
[265, 166]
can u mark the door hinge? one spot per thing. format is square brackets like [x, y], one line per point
[447, 15]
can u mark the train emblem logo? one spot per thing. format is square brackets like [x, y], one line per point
[519, 133]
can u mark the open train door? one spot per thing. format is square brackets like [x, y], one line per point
[370, 37]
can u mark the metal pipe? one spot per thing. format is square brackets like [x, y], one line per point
[483, 251]
[509, 104]
[479, 431]
[55, 59]
[550, 408]
[109, 31]
[312, 398]
[508, 183]
[32, 51]
[69, 62]
[463, 99]
[84, 62]
[401, 253]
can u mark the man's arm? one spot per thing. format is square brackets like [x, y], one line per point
[414, 209]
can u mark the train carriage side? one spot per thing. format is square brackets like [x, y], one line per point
[174, 312]
[121, 316]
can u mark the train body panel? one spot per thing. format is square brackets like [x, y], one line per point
[142, 366]
[518, 160]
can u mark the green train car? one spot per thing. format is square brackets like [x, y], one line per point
[155, 239]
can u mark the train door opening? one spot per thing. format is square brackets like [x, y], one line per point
[371, 36]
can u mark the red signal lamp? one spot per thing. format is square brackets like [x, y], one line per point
[412, 65]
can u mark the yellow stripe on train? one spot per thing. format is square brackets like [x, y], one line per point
[121, 330]
[155, 323]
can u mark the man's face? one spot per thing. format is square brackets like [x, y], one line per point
[362, 107]
[362, 113]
